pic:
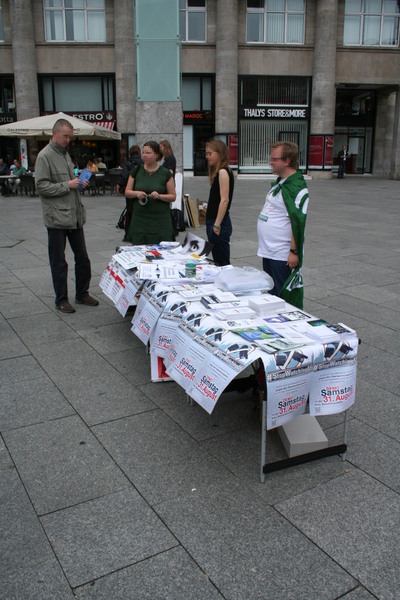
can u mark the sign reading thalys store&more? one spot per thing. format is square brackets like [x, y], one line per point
[275, 112]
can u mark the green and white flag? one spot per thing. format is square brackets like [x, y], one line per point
[295, 196]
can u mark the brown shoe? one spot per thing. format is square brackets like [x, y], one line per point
[65, 307]
[87, 300]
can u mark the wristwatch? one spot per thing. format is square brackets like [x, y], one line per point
[293, 251]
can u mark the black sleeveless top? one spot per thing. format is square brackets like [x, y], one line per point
[214, 198]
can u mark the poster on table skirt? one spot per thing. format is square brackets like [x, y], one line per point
[204, 356]
[173, 310]
[333, 382]
[288, 378]
[146, 314]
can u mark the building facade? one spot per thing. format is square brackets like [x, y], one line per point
[322, 73]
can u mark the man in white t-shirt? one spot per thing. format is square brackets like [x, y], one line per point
[281, 222]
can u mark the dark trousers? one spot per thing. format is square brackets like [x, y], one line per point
[59, 266]
[221, 250]
[279, 271]
[342, 169]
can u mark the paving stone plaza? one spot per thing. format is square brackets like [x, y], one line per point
[113, 487]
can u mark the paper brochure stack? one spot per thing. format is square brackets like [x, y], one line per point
[266, 304]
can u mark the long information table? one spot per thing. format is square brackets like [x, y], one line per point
[203, 338]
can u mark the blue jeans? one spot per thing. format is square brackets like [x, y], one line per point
[59, 266]
[221, 251]
[279, 271]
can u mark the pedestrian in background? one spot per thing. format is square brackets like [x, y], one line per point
[168, 156]
[342, 158]
[133, 161]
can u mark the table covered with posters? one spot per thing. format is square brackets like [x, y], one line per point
[203, 337]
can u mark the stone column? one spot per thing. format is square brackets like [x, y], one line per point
[323, 101]
[386, 153]
[24, 59]
[226, 83]
[125, 66]
[395, 153]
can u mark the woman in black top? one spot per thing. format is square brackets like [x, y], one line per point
[218, 221]
[168, 155]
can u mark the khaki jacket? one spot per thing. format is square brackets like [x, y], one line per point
[62, 207]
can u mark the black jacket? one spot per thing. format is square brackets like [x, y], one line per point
[130, 164]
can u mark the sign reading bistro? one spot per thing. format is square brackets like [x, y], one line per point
[275, 112]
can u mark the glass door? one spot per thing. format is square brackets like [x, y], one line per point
[356, 149]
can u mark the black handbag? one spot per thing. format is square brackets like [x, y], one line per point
[122, 219]
[178, 222]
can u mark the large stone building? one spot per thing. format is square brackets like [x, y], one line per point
[320, 72]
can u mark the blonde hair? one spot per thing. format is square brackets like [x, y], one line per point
[221, 149]
[290, 150]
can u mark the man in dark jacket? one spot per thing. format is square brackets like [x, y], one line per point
[64, 216]
[134, 160]
[342, 157]
[4, 170]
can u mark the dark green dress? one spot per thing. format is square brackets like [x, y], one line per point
[152, 222]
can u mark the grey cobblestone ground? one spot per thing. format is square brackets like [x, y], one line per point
[114, 487]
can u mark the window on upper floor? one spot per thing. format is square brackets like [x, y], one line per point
[70, 94]
[276, 21]
[75, 20]
[193, 20]
[371, 23]
[1, 24]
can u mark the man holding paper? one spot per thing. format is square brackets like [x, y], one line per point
[281, 224]
[64, 216]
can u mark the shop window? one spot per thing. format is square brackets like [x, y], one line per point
[256, 138]
[276, 21]
[7, 96]
[196, 93]
[75, 20]
[70, 94]
[371, 23]
[1, 24]
[274, 91]
[193, 20]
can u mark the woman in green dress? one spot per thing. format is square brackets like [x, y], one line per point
[152, 189]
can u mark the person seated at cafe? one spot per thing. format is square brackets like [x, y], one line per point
[100, 165]
[91, 166]
[15, 182]
[4, 171]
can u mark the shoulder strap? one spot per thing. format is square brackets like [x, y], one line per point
[134, 175]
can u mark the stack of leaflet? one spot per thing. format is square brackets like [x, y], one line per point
[225, 305]
[235, 312]
[322, 331]
[215, 297]
[266, 304]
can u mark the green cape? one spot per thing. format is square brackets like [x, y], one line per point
[295, 196]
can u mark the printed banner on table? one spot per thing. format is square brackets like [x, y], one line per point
[173, 310]
[333, 382]
[147, 314]
[288, 379]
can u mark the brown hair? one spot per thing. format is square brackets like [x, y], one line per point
[135, 150]
[221, 149]
[167, 147]
[58, 125]
[155, 147]
[290, 150]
